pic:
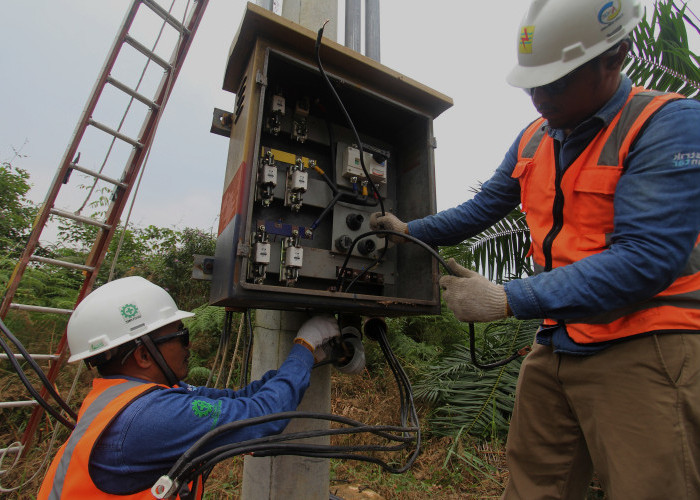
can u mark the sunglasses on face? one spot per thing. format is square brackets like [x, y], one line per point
[183, 335]
[557, 87]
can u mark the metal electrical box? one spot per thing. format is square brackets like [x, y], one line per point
[295, 196]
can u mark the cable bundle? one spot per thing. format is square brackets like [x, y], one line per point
[406, 436]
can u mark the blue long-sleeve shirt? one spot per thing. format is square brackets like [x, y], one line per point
[152, 432]
[656, 221]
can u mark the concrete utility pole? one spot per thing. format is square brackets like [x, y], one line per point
[290, 477]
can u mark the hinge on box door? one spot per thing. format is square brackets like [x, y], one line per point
[260, 79]
[243, 249]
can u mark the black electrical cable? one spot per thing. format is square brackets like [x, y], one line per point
[20, 373]
[190, 458]
[383, 431]
[341, 274]
[428, 248]
[328, 181]
[409, 409]
[191, 463]
[496, 364]
[434, 253]
[272, 446]
[326, 210]
[332, 146]
[248, 349]
[44, 380]
[339, 101]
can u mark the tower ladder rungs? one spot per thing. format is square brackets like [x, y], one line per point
[42, 309]
[62, 263]
[118, 135]
[148, 53]
[18, 404]
[80, 218]
[128, 90]
[39, 357]
[167, 17]
[99, 175]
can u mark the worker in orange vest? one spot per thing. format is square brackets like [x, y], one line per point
[609, 180]
[139, 417]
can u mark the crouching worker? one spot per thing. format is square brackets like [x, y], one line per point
[139, 417]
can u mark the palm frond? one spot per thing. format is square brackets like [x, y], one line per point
[471, 400]
[660, 58]
[501, 250]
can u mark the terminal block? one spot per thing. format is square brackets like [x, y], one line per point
[300, 129]
[261, 255]
[292, 259]
[267, 179]
[297, 184]
[277, 108]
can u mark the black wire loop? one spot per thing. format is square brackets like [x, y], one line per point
[195, 462]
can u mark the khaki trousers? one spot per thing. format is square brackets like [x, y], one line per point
[630, 412]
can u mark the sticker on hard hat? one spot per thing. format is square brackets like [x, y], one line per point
[609, 12]
[526, 35]
[96, 345]
[130, 313]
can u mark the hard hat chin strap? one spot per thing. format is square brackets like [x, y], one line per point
[158, 358]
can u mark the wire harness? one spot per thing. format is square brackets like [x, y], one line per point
[398, 438]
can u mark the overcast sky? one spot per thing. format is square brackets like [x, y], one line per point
[52, 52]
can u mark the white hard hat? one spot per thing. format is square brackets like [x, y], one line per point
[558, 36]
[115, 313]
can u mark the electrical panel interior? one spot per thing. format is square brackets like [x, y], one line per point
[297, 200]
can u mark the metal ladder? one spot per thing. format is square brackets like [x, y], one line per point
[140, 145]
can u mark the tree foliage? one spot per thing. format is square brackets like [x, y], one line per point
[16, 210]
[162, 255]
[500, 252]
[467, 399]
[661, 57]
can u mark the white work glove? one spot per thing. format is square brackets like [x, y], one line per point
[316, 332]
[471, 297]
[388, 221]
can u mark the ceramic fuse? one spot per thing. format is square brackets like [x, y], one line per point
[262, 253]
[278, 104]
[299, 181]
[269, 175]
[294, 257]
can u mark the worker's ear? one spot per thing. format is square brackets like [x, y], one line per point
[616, 60]
[142, 357]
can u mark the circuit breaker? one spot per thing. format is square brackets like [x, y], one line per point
[297, 201]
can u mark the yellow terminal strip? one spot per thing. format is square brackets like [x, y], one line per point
[285, 157]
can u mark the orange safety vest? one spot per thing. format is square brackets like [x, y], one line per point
[577, 222]
[68, 476]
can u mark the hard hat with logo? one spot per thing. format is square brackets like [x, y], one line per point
[118, 312]
[558, 36]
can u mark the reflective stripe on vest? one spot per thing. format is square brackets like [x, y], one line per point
[588, 186]
[68, 476]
